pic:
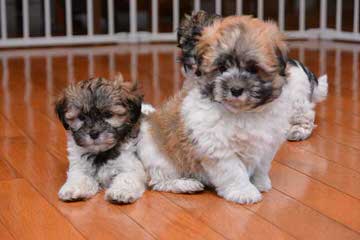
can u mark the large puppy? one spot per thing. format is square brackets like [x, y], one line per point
[233, 113]
[102, 122]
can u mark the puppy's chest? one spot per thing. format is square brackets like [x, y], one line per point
[245, 136]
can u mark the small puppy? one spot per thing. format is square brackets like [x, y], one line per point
[101, 118]
[239, 100]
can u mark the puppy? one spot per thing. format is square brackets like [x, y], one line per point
[237, 105]
[101, 118]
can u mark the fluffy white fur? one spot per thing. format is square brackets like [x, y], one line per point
[239, 146]
[123, 177]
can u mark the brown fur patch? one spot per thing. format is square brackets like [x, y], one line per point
[169, 133]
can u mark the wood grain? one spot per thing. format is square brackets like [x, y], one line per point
[28, 216]
[316, 182]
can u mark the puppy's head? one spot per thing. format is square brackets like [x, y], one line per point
[99, 113]
[240, 62]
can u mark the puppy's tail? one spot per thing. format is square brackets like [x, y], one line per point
[188, 33]
[321, 90]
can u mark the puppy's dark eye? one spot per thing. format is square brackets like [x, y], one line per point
[222, 68]
[107, 114]
[252, 68]
[81, 117]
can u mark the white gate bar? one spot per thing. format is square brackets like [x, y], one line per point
[356, 17]
[323, 15]
[281, 15]
[68, 14]
[260, 9]
[302, 16]
[338, 15]
[239, 7]
[133, 17]
[218, 7]
[47, 18]
[110, 11]
[175, 15]
[3, 20]
[196, 5]
[90, 17]
[154, 16]
[25, 18]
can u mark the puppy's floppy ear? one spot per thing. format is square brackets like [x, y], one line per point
[134, 108]
[282, 59]
[188, 35]
[60, 109]
[130, 86]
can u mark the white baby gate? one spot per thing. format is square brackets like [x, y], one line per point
[133, 35]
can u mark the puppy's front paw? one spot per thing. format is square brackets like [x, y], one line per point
[78, 191]
[124, 194]
[245, 195]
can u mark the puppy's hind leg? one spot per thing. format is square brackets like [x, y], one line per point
[302, 121]
[162, 174]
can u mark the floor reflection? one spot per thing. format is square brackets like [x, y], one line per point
[33, 141]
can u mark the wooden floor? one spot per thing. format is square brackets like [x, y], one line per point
[316, 183]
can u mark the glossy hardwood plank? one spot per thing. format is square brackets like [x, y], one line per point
[344, 102]
[94, 219]
[163, 219]
[232, 220]
[48, 174]
[332, 174]
[339, 117]
[6, 171]
[7, 129]
[312, 194]
[330, 150]
[299, 220]
[326, 200]
[28, 216]
[4, 233]
[340, 134]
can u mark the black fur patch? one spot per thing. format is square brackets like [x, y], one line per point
[282, 62]
[208, 90]
[101, 158]
[187, 37]
[60, 108]
[311, 76]
[226, 61]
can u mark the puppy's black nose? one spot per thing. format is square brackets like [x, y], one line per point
[94, 134]
[236, 91]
